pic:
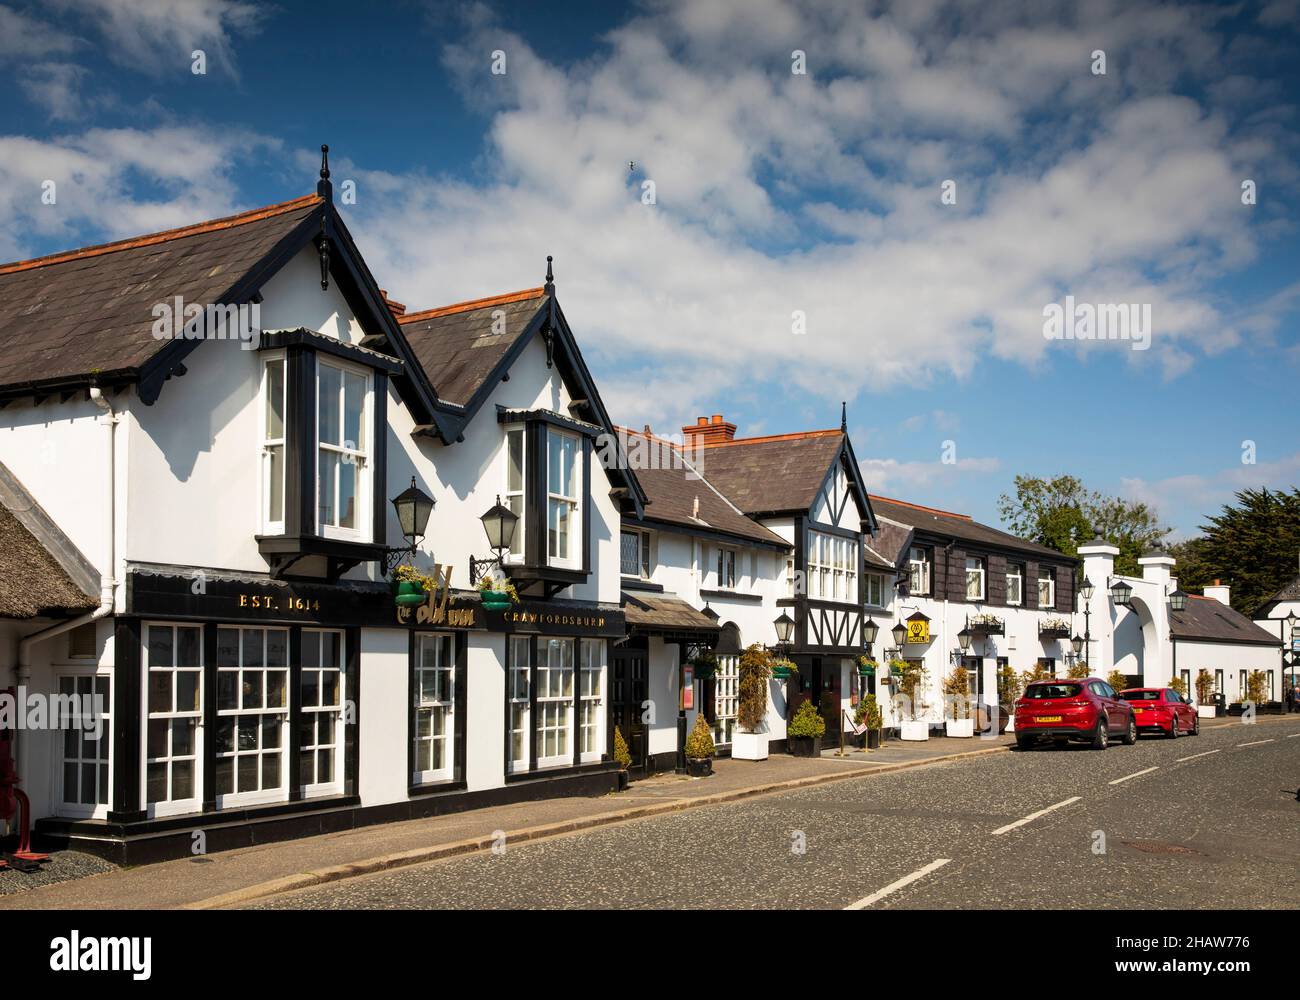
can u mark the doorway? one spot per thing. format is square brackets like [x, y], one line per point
[629, 691]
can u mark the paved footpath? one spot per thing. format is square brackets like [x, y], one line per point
[234, 877]
[1200, 822]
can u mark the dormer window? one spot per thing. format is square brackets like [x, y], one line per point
[342, 486]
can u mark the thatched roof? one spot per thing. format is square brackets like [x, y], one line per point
[32, 583]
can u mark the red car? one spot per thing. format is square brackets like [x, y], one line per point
[1084, 708]
[1162, 710]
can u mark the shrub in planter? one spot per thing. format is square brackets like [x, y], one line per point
[753, 670]
[1117, 679]
[1257, 687]
[868, 713]
[956, 692]
[411, 588]
[1079, 668]
[622, 755]
[1204, 687]
[700, 749]
[1179, 685]
[867, 667]
[805, 731]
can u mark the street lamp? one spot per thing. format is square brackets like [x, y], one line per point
[963, 639]
[899, 632]
[499, 524]
[869, 632]
[1086, 588]
[1178, 601]
[413, 508]
[1122, 593]
[1077, 643]
[784, 629]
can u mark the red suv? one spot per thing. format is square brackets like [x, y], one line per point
[1084, 708]
[1162, 710]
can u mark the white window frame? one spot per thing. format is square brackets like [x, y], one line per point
[518, 681]
[169, 806]
[918, 571]
[516, 499]
[591, 681]
[645, 566]
[726, 691]
[874, 582]
[559, 707]
[725, 569]
[1016, 572]
[270, 526]
[574, 559]
[832, 567]
[64, 807]
[360, 454]
[975, 565]
[1050, 580]
[280, 792]
[338, 735]
[447, 705]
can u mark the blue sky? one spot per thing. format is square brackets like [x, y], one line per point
[776, 194]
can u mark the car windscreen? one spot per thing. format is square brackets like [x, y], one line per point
[1140, 695]
[1053, 691]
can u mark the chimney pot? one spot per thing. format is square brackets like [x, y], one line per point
[717, 418]
[707, 431]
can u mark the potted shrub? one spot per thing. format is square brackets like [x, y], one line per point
[867, 666]
[1179, 685]
[911, 684]
[623, 758]
[497, 594]
[749, 742]
[1257, 690]
[805, 732]
[1078, 669]
[704, 663]
[1117, 679]
[868, 713]
[782, 669]
[956, 690]
[1205, 706]
[700, 749]
[1009, 688]
[411, 588]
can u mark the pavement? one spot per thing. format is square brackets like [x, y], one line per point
[237, 877]
[1201, 822]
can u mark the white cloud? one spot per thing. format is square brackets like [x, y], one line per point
[29, 38]
[904, 479]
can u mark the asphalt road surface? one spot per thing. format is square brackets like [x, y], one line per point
[1200, 822]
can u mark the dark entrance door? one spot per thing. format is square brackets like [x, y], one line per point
[629, 690]
[826, 674]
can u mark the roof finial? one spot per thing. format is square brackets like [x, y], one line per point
[844, 416]
[549, 287]
[323, 187]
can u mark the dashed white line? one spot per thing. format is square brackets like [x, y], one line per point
[1135, 774]
[1294, 736]
[1255, 744]
[1033, 816]
[893, 887]
[1195, 755]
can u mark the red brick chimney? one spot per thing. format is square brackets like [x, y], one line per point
[396, 308]
[708, 430]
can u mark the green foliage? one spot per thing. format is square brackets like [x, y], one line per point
[807, 722]
[409, 573]
[1179, 685]
[622, 755]
[956, 688]
[1204, 688]
[911, 683]
[1078, 669]
[502, 585]
[1257, 687]
[754, 669]
[1116, 679]
[700, 743]
[1009, 685]
[1038, 673]
[1251, 545]
[868, 711]
[1063, 514]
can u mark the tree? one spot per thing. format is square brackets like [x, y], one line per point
[1063, 514]
[1192, 571]
[1252, 545]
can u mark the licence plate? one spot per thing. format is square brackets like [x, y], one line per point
[1049, 718]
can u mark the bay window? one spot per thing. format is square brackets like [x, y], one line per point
[832, 567]
[514, 492]
[563, 527]
[342, 487]
[1046, 588]
[974, 578]
[273, 445]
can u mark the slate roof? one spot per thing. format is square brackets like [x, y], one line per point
[90, 311]
[1207, 619]
[888, 546]
[649, 612]
[1287, 595]
[770, 475]
[959, 526]
[32, 582]
[456, 344]
[672, 493]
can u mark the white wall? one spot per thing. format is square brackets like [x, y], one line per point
[384, 713]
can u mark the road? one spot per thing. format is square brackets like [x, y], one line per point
[1200, 822]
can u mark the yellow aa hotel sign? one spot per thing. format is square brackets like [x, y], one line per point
[918, 631]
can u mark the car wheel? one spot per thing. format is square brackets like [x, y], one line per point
[1024, 742]
[1173, 728]
[1101, 737]
[1196, 726]
[1131, 735]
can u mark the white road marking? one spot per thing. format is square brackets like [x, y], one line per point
[1206, 754]
[1293, 736]
[1033, 816]
[893, 887]
[1255, 744]
[1135, 774]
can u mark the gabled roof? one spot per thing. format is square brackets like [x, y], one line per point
[459, 343]
[962, 527]
[779, 474]
[672, 494]
[42, 573]
[1287, 595]
[1207, 619]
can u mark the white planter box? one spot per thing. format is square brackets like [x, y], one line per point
[1011, 723]
[960, 727]
[914, 731]
[1205, 711]
[748, 746]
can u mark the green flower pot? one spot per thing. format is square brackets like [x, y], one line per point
[494, 600]
[408, 593]
[867, 671]
[781, 673]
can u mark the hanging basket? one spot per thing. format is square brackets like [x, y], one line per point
[408, 593]
[866, 670]
[781, 672]
[494, 600]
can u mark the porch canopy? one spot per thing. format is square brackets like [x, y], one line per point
[670, 618]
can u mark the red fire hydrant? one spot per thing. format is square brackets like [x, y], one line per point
[13, 800]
